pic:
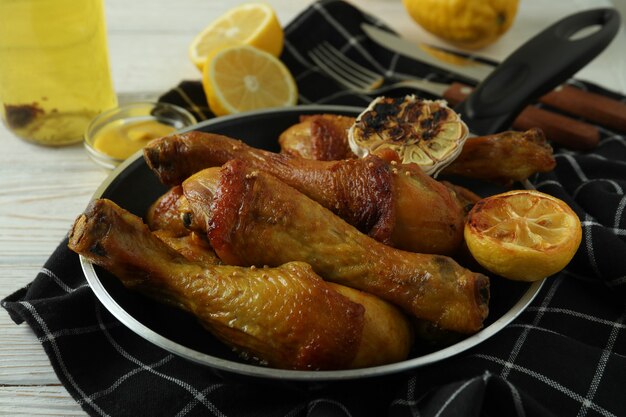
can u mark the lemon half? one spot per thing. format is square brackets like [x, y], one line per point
[523, 235]
[243, 78]
[253, 24]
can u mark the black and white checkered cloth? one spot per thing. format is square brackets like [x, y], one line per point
[564, 356]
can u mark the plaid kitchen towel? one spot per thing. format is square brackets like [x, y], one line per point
[565, 355]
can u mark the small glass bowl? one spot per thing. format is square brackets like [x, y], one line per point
[165, 113]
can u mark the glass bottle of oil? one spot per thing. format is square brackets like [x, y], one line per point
[54, 68]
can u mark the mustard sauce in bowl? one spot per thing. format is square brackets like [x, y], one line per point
[121, 138]
[115, 135]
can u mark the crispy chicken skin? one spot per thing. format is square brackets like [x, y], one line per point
[287, 316]
[193, 246]
[255, 219]
[165, 217]
[164, 213]
[429, 217]
[402, 207]
[319, 136]
[504, 157]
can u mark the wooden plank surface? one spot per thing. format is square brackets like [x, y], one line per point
[43, 189]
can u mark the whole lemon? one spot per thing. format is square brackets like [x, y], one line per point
[470, 24]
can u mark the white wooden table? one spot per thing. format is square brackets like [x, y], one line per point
[43, 189]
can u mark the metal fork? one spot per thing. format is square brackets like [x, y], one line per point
[356, 77]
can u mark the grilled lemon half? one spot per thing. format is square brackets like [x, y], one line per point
[524, 235]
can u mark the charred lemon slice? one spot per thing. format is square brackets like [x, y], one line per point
[425, 132]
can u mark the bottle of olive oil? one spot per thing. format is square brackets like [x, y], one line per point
[54, 68]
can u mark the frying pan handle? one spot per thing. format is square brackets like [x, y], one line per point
[538, 66]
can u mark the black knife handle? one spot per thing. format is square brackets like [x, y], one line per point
[538, 66]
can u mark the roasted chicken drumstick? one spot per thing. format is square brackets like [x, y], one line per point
[513, 156]
[400, 206]
[252, 218]
[163, 218]
[502, 158]
[319, 136]
[287, 316]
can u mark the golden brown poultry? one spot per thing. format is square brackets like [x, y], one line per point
[400, 206]
[287, 316]
[319, 136]
[503, 157]
[164, 218]
[252, 218]
[193, 246]
[164, 213]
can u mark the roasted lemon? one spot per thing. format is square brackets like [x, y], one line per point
[523, 235]
[425, 132]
